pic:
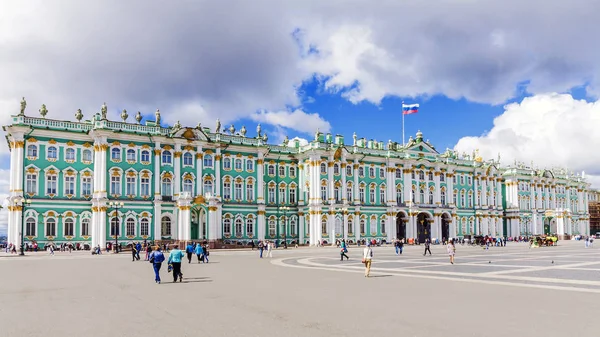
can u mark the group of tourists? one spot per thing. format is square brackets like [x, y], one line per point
[157, 257]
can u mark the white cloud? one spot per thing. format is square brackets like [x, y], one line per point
[301, 140]
[297, 120]
[552, 130]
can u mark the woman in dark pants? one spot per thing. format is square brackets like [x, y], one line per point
[157, 258]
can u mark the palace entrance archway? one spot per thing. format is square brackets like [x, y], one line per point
[401, 220]
[423, 226]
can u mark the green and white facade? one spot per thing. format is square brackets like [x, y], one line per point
[196, 183]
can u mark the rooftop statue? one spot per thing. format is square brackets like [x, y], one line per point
[43, 111]
[177, 126]
[286, 141]
[78, 115]
[354, 139]
[243, 131]
[157, 115]
[258, 131]
[232, 130]
[138, 117]
[218, 127]
[124, 115]
[104, 110]
[23, 106]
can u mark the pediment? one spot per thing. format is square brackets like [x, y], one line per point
[190, 134]
[422, 147]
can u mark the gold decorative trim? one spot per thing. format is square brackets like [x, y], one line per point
[52, 141]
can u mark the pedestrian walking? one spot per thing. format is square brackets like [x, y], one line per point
[427, 247]
[148, 251]
[343, 254]
[199, 252]
[133, 252]
[367, 258]
[138, 249]
[451, 248]
[269, 249]
[189, 251]
[175, 257]
[157, 258]
[261, 248]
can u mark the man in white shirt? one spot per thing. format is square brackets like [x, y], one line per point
[367, 257]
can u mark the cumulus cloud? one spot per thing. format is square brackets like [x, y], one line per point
[549, 129]
[297, 119]
[206, 59]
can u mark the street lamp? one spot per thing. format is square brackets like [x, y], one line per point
[341, 210]
[285, 209]
[116, 205]
[23, 203]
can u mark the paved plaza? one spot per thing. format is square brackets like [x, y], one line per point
[504, 291]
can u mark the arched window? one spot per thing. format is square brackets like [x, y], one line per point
[383, 220]
[115, 154]
[145, 156]
[336, 194]
[292, 172]
[422, 196]
[293, 229]
[442, 177]
[361, 171]
[144, 227]
[421, 175]
[362, 226]
[208, 186]
[130, 155]
[165, 226]
[249, 165]
[430, 197]
[166, 157]
[339, 226]
[227, 189]
[349, 170]
[227, 226]
[249, 190]
[350, 226]
[323, 168]
[86, 156]
[85, 227]
[336, 169]
[114, 226]
[381, 173]
[208, 161]
[398, 194]
[226, 163]
[32, 151]
[272, 227]
[166, 187]
[249, 226]
[239, 227]
[443, 197]
[463, 198]
[188, 185]
[188, 159]
[324, 226]
[371, 172]
[282, 171]
[398, 173]
[430, 176]
[349, 193]
[324, 192]
[51, 227]
[52, 153]
[70, 154]
[372, 194]
[130, 227]
[382, 195]
[271, 170]
[69, 227]
[238, 164]
[30, 227]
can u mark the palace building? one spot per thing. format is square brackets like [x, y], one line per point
[94, 181]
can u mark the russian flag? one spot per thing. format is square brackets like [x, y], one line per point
[409, 109]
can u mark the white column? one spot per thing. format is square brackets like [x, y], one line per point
[475, 189]
[434, 227]
[436, 196]
[301, 225]
[343, 191]
[356, 182]
[199, 164]
[330, 181]
[157, 219]
[331, 221]
[213, 223]
[218, 181]
[301, 184]
[157, 152]
[356, 224]
[177, 169]
[184, 221]
[407, 186]
[260, 189]
[450, 192]
[484, 200]
[390, 185]
[345, 224]
[261, 222]
[499, 193]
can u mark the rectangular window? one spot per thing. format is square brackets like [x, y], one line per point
[271, 195]
[31, 186]
[115, 185]
[382, 196]
[282, 171]
[249, 192]
[145, 187]
[145, 156]
[381, 173]
[249, 165]
[238, 191]
[130, 187]
[86, 186]
[292, 172]
[324, 193]
[292, 195]
[372, 195]
[227, 191]
[51, 187]
[69, 185]
[361, 194]
[282, 195]
[131, 155]
[349, 193]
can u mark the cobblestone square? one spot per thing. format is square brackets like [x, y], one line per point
[506, 291]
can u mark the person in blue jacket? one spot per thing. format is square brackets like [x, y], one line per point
[199, 252]
[189, 250]
[157, 258]
[175, 259]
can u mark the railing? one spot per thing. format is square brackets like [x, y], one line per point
[50, 123]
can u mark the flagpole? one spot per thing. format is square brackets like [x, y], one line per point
[403, 143]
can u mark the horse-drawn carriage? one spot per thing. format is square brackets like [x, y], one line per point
[543, 240]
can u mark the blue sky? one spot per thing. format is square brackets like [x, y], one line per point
[509, 80]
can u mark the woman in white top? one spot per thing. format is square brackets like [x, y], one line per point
[451, 250]
[367, 257]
